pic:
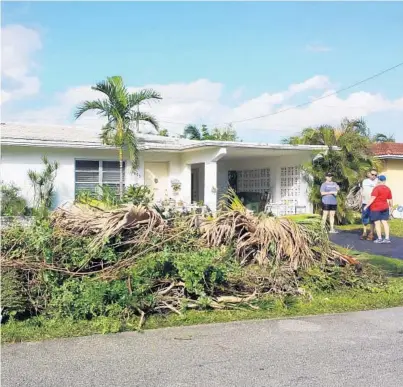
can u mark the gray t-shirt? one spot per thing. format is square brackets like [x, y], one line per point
[329, 187]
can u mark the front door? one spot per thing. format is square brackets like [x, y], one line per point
[195, 185]
[156, 176]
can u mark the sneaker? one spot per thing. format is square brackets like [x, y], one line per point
[386, 241]
[333, 232]
[378, 241]
[363, 237]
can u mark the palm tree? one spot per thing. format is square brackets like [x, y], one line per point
[121, 109]
[380, 137]
[192, 132]
[348, 164]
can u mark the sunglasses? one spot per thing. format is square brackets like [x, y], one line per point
[374, 174]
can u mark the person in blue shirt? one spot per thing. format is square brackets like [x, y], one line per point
[328, 191]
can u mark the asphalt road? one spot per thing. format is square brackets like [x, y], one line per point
[351, 240]
[356, 349]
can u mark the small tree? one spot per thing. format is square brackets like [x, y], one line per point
[121, 109]
[192, 132]
[43, 184]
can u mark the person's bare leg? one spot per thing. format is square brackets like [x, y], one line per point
[371, 228]
[324, 218]
[378, 229]
[331, 219]
[385, 225]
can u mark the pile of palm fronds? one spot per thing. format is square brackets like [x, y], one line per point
[112, 246]
[132, 224]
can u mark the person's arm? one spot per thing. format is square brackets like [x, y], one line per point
[390, 201]
[370, 202]
[373, 197]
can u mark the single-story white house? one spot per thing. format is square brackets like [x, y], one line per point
[202, 167]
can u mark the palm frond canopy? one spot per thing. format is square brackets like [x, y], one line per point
[192, 132]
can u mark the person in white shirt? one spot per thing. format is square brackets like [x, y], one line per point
[367, 187]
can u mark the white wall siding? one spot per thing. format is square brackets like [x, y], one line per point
[17, 161]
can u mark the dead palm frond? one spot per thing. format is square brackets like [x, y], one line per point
[277, 240]
[132, 224]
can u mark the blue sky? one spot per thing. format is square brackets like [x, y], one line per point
[249, 51]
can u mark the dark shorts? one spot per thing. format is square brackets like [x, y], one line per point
[329, 207]
[366, 215]
[379, 215]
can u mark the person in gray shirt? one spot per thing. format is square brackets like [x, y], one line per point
[328, 191]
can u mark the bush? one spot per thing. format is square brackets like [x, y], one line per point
[108, 197]
[12, 203]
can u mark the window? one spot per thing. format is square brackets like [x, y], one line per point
[256, 180]
[92, 173]
[290, 189]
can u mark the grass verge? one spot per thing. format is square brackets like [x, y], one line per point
[321, 303]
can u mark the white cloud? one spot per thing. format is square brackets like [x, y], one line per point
[202, 101]
[317, 48]
[19, 45]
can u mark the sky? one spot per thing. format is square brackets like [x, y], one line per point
[214, 63]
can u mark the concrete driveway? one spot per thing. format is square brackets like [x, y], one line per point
[356, 349]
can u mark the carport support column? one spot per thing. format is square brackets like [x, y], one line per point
[211, 181]
[210, 185]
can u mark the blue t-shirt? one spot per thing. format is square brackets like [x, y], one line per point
[329, 187]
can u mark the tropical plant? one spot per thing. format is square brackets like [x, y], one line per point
[163, 132]
[192, 132]
[348, 157]
[380, 137]
[43, 183]
[12, 203]
[138, 194]
[121, 109]
[227, 133]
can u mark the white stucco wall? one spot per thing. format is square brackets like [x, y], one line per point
[206, 157]
[275, 163]
[17, 161]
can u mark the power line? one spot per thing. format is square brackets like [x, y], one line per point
[302, 104]
[323, 97]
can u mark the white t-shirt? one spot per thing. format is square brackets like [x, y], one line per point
[366, 189]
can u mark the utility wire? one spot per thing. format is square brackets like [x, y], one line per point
[305, 103]
[323, 97]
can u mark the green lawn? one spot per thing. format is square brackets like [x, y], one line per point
[320, 303]
[396, 227]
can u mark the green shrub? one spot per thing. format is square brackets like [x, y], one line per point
[12, 203]
[13, 297]
[138, 194]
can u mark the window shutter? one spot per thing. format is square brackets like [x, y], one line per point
[87, 175]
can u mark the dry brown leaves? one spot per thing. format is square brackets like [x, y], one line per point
[133, 224]
[262, 239]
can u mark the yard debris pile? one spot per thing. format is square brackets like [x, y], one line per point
[133, 224]
[131, 260]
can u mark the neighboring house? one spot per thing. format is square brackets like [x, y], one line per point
[391, 153]
[202, 167]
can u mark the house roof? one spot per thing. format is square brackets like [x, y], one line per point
[57, 136]
[389, 150]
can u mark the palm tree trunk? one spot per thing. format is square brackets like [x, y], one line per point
[120, 173]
